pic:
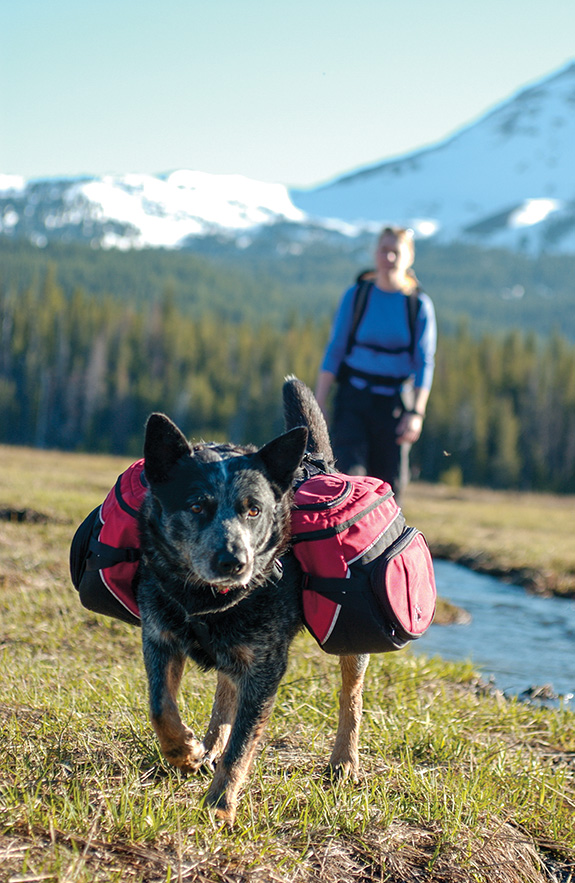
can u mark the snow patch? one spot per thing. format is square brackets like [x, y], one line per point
[164, 211]
[11, 185]
[533, 211]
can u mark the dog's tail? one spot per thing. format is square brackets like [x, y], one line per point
[302, 409]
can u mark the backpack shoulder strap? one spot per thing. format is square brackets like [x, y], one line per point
[413, 307]
[364, 284]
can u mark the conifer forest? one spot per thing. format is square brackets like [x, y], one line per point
[81, 371]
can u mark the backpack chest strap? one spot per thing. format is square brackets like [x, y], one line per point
[102, 555]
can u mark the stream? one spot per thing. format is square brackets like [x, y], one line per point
[515, 639]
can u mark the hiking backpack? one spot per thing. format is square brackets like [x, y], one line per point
[368, 583]
[364, 286]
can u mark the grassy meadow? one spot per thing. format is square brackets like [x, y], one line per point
[457, 784]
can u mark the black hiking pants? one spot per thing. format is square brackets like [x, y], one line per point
[364, 435]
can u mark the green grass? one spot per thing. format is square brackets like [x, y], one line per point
[456, 784]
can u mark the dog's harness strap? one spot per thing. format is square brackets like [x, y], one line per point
[278, 571]
[311, 464]
[106, 556]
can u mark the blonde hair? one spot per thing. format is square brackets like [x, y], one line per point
[403, 234]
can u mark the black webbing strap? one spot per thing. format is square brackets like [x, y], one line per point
[345, 372]
[106, 556]
[360, 300]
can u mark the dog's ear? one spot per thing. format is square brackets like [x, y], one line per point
[282, 456]
[164, 445]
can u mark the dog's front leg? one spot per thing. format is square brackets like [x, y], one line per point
[164, 667]
[220, 725]
[255, 701]
[344, 758]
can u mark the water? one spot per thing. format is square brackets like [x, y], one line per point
[519, 640]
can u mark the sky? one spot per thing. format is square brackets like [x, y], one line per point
[290, 91]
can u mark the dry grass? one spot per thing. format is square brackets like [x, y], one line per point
[522, 537]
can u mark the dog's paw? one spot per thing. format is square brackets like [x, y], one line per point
[208, 762]
[340, 771]
[224, 809]
[202, 766]
[187, 757]
[228, 816]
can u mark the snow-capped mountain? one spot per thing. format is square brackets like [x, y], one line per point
[505, 180]
[136, 211]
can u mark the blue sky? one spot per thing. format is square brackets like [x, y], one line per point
[294, 91]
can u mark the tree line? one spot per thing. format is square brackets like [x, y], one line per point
[278, 277]
[82, 372]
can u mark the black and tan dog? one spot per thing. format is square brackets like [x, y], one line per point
[213, 588]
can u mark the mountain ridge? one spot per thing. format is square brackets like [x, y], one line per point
[506, 180]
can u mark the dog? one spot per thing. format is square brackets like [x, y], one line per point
[218, 585]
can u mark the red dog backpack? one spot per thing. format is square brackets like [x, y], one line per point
[369, 585]
[368, 578]
[108, 540]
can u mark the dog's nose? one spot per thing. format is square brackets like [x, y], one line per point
[230, 564]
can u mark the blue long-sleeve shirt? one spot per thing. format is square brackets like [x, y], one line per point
[385, 323]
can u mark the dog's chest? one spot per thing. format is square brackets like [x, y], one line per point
[250, 631]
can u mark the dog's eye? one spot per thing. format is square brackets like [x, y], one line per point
[197, 508]
[254, 511]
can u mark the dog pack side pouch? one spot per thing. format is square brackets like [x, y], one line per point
[369, 585]
[403, 583]
[108, 541]
[80, 547]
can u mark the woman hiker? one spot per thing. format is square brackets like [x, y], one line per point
[382, 354]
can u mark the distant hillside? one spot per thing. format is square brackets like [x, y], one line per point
[492, 289]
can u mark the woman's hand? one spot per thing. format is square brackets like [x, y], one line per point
[409, 427]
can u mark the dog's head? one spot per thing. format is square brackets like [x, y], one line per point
[218, 515]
